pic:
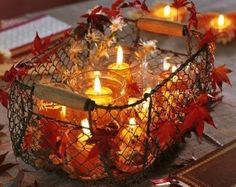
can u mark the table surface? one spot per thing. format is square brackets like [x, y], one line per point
[224, 114]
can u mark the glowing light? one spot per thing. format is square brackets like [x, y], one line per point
[221, 20]
[173, 69]
[167, 11]
[166, 64]
[132, 122]
[97, 85]
[119, 56]
[85, 127]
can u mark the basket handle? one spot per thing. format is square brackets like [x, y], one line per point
[162, 27]
[63, 97]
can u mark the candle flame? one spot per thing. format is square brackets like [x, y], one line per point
[173, 69]
[132, 122]
[221, 20]
[119, 56]
[97, 85]
[63, 111]
[166, 64]
[85, 127]
[167, 10]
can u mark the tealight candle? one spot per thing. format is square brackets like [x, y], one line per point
[100, 94]
[220, 23]
[120, 67]
[79, 150]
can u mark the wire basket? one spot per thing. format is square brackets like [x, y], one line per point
[55, 126]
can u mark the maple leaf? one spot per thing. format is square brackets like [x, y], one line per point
[27, 139]
[180, 3]
[116, 4]
[209, 37]
[219, 76]
[104, 140]
[4, 98]
[196, 115]
[40, 45]
[5, 167]
[165, 133]
[81, 30]
[96, 19]
[51, 134]
[133, 89]
[136, 4]
[11, 75]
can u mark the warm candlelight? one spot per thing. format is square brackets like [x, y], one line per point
[220, 23]
[120, 67]
[166, 12]
[86, 131]
[100, 94]
[166, 64]
[80, 150]
[52, 110]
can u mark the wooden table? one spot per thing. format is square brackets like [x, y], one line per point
[224, 114]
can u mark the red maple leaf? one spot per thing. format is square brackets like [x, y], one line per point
[27, 139]
[51, 134]
[219, 76]
[4, 98]
[11, 75]
[104, 140]
[133, 89]
[40, 45]
[180, 3]
[209, 37]
[165, 133]
[196, 115]
[116, 4]
[96, 19]
[136, 4]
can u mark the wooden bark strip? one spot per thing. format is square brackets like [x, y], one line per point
[63, 97]
[161, 26]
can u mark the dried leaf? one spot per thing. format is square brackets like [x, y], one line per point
[165, 133]
[208, 38]
[219, 76]
[1, 127]
[40, 45]
[196, 115]
[4, 98]
[116, 4]
[2, 157]
[180, 3]
[5, 167]
[133, 89]
[27, 139]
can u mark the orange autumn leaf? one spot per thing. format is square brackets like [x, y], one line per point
[133, 89]
[196, 116]
[209, 37]
[219, 76]
[165, 133]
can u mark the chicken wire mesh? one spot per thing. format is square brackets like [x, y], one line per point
[129, 134]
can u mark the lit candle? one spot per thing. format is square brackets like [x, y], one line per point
[78, 152]
[220, 23]
[86, 133]
[120, 67]
[166, 64]
[131, 147]
[166, 12]
[100, 94]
